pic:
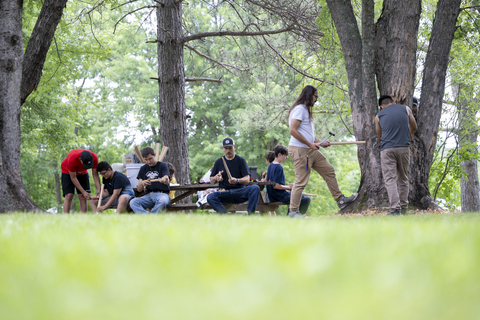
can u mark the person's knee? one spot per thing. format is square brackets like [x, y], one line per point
[69, 197]
[307, 200]
[255, 188]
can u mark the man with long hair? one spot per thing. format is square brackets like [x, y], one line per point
[304, 151]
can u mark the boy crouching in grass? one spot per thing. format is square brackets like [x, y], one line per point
[118, 190]
[278, 192]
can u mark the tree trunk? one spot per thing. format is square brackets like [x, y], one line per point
[395, 53]
[13, 195]
[468, 133]
[58, 190]
[430, 109]
[171, 85]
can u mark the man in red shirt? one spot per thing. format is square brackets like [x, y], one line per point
[75, 176]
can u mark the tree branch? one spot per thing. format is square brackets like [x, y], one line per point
[213, 60]
[129, 13]
[235, 33]
[298, 70]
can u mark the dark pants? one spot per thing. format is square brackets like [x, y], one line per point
[218, 200]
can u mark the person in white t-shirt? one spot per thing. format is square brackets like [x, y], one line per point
[304, 151]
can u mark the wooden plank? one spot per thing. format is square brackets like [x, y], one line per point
[226, 168]
[139, 154]
[164, 152]
[347, 142]
[157, 150]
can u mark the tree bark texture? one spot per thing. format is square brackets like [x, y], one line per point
[468, 133]
[431, 99]
[38, 45]
[13, 196]
[171, 84]
[396, 49]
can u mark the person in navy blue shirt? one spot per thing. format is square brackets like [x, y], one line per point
[235, 189]
[278, 192]
[118, 190]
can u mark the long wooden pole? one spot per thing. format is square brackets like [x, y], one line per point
[347, 142]
[164, 152]
[100, 197]
[226, 168]
[139, 154]
[157, 151]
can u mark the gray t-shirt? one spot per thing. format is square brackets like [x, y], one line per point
[305, 128]
[395, 127]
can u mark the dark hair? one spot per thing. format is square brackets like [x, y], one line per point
[279, 149]
[104, 165]
[148, 151]
[270, 156]
[384, 100]
[171, 169]
[305, 98]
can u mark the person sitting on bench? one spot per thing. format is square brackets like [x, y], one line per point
[157, 191]
[232, 189]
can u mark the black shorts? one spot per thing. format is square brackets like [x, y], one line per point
[69, 187]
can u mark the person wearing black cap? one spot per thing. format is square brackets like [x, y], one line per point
[234, 189]
[75, 176]
[394, 125]
[415, 107]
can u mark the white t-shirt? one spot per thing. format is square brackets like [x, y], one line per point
[305, 128]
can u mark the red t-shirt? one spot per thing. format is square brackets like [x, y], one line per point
[72, 162]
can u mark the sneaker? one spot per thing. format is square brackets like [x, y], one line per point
[344, 201]
[394, 213]
[296, 214]
[404, 210]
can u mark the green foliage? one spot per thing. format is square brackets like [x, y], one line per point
[236, 267]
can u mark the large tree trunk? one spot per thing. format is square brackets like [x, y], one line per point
[13, 196]
[171, 85]
[14, 90]
[430, 109]
[467, 136]
[395, 64]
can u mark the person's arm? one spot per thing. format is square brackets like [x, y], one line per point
[243, 180]
[96, 178]
[295, 123]
[411, 121]
[110, 201]
[378, 129]
[76, 183]
[278, 186]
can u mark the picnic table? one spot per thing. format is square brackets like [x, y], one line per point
[190, 189]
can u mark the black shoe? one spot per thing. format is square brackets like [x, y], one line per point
[344, 201]
[404, 210]
[394, 213]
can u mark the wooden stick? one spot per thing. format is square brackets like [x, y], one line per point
[226, 168]
[157, 151]
[164, 152]
[101, 196]
[139, 154]
[152, 145]
[347, 142]
[309, 194]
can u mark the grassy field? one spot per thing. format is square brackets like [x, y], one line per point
[237, 267]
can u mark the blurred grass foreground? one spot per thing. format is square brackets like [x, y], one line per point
[235, 267]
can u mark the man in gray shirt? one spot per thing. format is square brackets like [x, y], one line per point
[394, 125]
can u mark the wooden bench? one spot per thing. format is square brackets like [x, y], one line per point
[262, 208]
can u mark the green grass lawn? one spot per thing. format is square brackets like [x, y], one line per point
[197, 266]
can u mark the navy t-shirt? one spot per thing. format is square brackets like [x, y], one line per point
[275, 174]
[118, 181]
[158, 171]
[238, 169]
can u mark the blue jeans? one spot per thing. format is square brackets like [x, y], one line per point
[156, 200]
[218, 200]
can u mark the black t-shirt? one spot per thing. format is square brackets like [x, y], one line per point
[158, 171]
[238, 169]
[118, 181]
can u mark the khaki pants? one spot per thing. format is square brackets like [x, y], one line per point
[395, 175]
[317, 162]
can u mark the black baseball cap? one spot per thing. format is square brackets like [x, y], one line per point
[415, 101]
[87, 159]
[228, 142]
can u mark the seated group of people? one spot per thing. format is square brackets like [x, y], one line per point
[153, 180]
